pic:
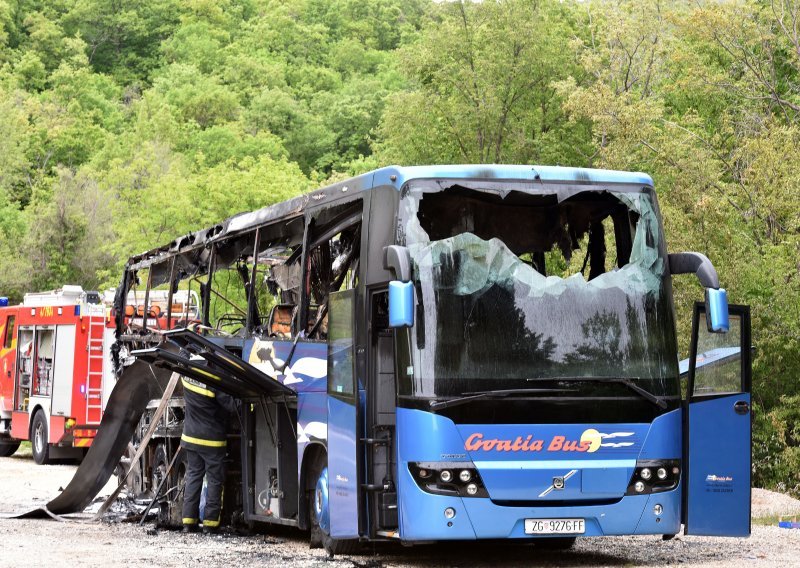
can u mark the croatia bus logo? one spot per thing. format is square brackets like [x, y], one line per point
[590, 441]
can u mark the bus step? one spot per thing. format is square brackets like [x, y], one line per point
[375, 441]
[387, 510]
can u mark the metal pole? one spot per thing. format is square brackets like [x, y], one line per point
[170, 293]
[251, 296]
[207, 290]
[146, 311]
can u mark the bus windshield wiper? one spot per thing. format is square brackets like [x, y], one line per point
[482, 395]
[644, 393]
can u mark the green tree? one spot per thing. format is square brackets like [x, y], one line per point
[482, 88]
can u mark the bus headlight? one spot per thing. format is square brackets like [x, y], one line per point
[654, 476]
[440, 478]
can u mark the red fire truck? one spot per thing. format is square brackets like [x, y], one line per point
[56, 372]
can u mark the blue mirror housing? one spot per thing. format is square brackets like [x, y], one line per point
[717, 310]
[401, 304]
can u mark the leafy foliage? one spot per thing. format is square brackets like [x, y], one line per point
[703, 96]
[124, 124]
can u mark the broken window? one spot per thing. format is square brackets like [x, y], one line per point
[273, 280]
[332, 263]
[299, 298]
[281, 292]
[162, 309]
[513, 287]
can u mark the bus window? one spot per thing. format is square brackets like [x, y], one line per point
[340, 347]
[9, 336]
[521, 286]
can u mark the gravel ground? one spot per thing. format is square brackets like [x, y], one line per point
[45, 542]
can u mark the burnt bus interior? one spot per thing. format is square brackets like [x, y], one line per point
[269, 274]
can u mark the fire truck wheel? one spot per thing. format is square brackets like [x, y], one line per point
[39, 443]
[8, 449]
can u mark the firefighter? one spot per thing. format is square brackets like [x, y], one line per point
[204, 440]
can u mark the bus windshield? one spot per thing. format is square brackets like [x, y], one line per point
[516, 289]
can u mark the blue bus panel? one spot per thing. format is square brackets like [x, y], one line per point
[719, 467]
[518, 467]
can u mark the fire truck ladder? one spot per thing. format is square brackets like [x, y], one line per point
[94, 370]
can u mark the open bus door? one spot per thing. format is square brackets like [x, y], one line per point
[717, 433]
[343, 431]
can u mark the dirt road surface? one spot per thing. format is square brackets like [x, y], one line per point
[51, 543]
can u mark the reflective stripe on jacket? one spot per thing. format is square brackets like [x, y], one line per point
[205, 425]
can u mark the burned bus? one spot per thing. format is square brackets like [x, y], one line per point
[457, 353]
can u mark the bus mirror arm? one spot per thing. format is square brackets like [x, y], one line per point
[397, 259]
[697, 263]
[716, 298]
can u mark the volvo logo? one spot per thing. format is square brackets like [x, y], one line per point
[558, 483]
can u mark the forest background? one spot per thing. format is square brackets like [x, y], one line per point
[125, 123]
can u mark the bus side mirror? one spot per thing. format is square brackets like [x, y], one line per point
[401, 304]
[717, 310]
[401, 291]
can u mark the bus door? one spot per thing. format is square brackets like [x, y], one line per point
[717, 443]
[343, 431]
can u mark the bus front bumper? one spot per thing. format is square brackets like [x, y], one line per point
[425, 517]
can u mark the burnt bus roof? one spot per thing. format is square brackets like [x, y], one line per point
[529, 178]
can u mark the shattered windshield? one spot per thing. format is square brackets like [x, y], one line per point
[515, 288]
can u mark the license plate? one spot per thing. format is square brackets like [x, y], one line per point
[555, 526]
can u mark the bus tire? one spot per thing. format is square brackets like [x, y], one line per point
[8, 448]
[319, 516]
[39, 439]
[556, 543]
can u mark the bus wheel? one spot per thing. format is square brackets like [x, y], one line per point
[39, 446]
[8, 449]
[317, 503]
[557, 543]
[319, 516]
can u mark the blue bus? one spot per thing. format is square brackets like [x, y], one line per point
[443, 353]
